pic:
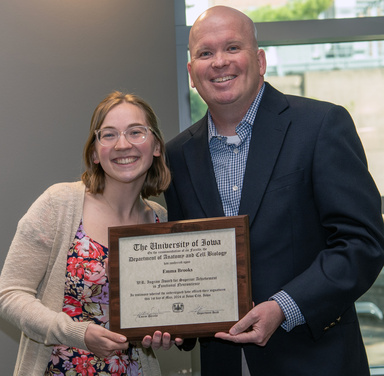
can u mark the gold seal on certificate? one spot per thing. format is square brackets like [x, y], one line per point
[188, 278]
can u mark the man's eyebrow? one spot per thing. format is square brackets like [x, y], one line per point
[235, 41]
[226, 43]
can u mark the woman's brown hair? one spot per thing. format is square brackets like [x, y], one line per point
[158, 176]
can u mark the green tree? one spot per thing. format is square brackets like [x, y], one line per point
[293, 10]
[198, 106]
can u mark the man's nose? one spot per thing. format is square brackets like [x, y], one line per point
[220, 60]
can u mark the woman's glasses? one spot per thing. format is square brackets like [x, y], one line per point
[134, 135]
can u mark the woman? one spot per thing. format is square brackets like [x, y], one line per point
[54, 284]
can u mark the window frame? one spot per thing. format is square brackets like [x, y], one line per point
[282, 33]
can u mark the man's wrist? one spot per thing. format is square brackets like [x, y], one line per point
[292, 313]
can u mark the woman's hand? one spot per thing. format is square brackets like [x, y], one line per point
[102, 342]
[160, 340]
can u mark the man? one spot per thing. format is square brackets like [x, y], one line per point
[297, 168]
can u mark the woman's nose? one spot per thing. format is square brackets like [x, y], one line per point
[122, 142]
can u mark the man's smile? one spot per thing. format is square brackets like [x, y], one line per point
[223, 79]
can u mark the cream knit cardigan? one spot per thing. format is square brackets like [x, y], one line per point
[33, 277]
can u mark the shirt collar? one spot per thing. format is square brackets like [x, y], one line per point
[246, 123]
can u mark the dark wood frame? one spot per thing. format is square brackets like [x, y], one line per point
[241, 226]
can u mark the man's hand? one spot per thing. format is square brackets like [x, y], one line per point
[160, 340]
[263, 319]
[102, 342]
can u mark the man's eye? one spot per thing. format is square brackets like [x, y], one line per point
[233, 48]
[205, 54]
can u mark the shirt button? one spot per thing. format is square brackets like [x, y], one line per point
[235, 188]
[236, 151]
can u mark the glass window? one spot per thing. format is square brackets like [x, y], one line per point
[352, 75]
[309, 59]
[288, 10]
[349, 74]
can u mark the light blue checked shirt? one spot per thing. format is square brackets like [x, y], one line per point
[229, 158]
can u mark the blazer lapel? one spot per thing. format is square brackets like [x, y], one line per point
[268, 135]
[201, 171]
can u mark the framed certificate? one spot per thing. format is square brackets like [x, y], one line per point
[188, 278]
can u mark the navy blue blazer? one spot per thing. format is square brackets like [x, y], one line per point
[316, 231]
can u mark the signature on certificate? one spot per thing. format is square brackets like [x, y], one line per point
[201, 310]
[153, 312]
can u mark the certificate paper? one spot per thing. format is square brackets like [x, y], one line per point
[179, 280]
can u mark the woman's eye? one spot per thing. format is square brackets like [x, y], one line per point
[136, 132]
[108, 135]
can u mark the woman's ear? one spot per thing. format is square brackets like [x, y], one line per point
[95, 158]
[156, 151]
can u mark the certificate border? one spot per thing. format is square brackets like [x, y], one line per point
[239, 223]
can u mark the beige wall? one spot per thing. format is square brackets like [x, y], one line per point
[58, 59]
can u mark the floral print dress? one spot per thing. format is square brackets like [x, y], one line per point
[86, 298]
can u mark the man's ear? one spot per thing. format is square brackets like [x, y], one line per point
[262, 61]
[190, 76]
